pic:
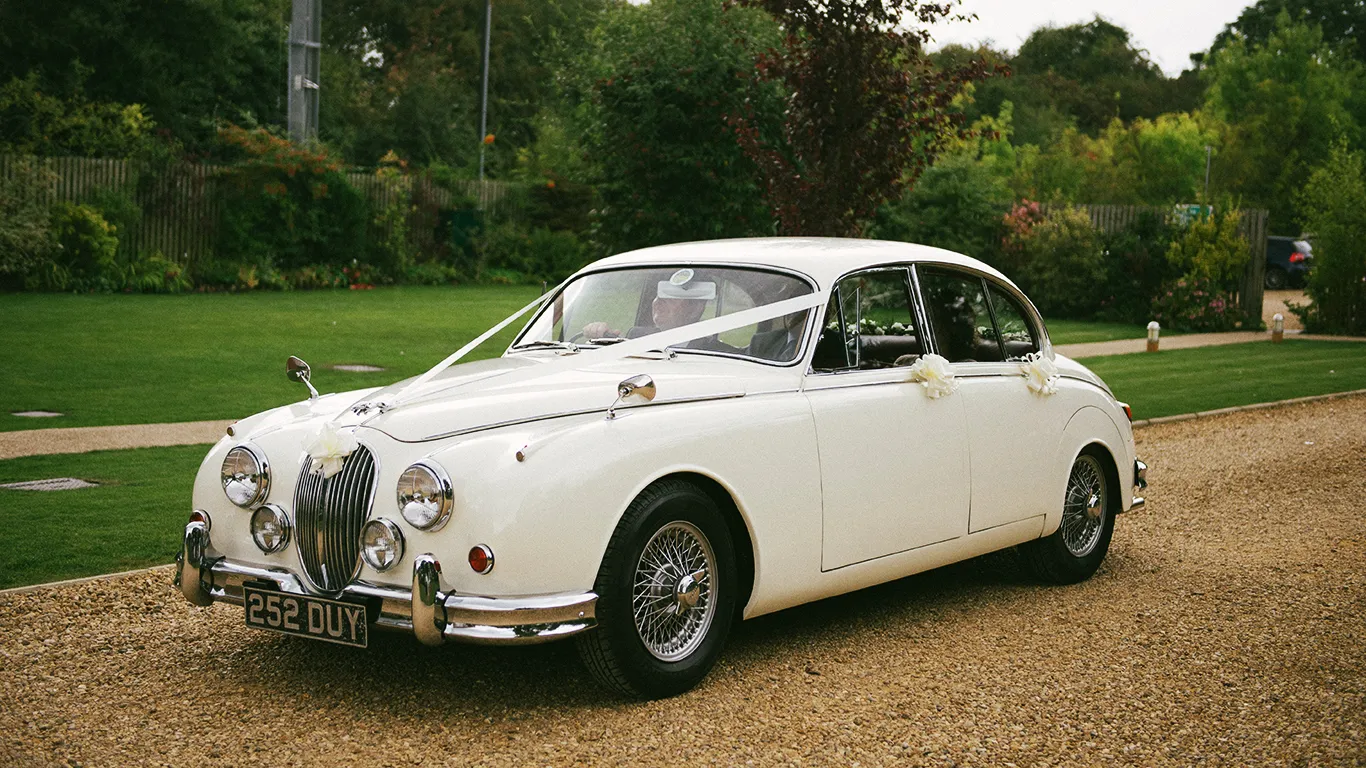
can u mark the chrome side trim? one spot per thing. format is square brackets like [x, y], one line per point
[565, 414]
[205, 577]
[1138, 503]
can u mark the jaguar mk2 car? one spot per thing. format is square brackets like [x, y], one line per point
[680, 437]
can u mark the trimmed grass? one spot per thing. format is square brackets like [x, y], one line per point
[131, 359]
[1085, 332]
[1205, 378]
[133, 520]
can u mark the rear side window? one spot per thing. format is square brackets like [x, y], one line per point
[869, 324]
[960, 316]
[1012, 322]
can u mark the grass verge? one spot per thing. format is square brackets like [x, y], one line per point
[148, 359]
[132, 520]
[1205, 378]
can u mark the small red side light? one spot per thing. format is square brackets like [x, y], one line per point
[200, 516]
[481, 559]
[1128, 411]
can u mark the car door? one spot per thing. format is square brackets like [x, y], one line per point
[985, 331]
[893, 462]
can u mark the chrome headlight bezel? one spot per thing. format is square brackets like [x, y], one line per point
[277, 516]
[262, 475]
[440, 493]
[394, 534]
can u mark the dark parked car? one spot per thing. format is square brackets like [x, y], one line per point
[1287, 261]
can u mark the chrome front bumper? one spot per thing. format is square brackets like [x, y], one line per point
[1141, 483]
[205, 577]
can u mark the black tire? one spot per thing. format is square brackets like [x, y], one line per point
[1075, 551]
[1276, 278]
[615, 652]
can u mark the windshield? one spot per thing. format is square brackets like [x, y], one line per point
[603, 308]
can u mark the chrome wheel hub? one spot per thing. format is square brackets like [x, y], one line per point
[1083, 513]
[671, 595]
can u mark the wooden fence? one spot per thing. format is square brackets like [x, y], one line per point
[1252, 226]
[180, 210]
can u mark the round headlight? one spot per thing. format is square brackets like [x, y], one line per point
[381, 544]
[424, 496]
[246, 477]
[270, 528]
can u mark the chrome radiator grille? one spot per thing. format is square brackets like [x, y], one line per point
[328, 515]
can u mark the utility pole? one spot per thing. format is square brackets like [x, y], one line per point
[1208, 155]
[484, 107]
[305, 48]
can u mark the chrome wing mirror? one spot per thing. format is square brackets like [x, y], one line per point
[640, 386]
[297, 370]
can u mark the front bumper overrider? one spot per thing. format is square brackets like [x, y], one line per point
[433, 616]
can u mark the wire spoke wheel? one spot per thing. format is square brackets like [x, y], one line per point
[672, 597]
[1085, 508]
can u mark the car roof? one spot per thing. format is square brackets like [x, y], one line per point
[825, 259]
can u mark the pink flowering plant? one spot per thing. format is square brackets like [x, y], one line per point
[1195, 304]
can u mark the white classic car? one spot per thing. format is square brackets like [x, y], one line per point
[680, 437]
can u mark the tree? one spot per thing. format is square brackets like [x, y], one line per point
[1334, 209]
[406, 76]
[654, 89]
[1343, 23]
[1287, 102]
[189, 63]
[867, 109]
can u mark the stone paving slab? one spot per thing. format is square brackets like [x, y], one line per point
[40, 442]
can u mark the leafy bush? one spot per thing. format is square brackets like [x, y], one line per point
[1211, 249]
[26, 238]
[958, 204]
[514, 254]
[286, 207]
[154, 273]
[1136, 269]
[1194, 304]
[1063, 264]
[85, 258]
[1334, 208]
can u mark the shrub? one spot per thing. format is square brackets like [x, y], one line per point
[1194, 304]
[1334, 207]
[958, 203]
[515, 254]
[26, 237]
[1211, 249]
[85, 256]
[286, 207]
[1063, 264]
[1136, 269]
[154, 273]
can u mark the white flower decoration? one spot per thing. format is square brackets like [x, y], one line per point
[328, 446]
[1041, 374]
[933, 372]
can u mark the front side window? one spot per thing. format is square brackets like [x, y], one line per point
[957, 307]
[1016, 332]
[869, 324]
[602, 308]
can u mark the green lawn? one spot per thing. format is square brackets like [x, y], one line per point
[1084, 332]
[132, 359]
[131, 521]
[1206, 378]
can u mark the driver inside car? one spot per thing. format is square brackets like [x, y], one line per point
[675, 305]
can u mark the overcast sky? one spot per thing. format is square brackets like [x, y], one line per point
[1170, 30]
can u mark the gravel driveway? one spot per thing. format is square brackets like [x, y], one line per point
[1225, 629]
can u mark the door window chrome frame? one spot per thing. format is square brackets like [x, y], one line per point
[1032, 317]
[911, 290]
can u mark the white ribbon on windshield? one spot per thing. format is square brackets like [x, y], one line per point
[607, 354]
[465, 350]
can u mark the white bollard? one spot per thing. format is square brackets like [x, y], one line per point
[1153, 330]
[1277, 327]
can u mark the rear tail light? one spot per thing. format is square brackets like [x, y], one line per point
[481, 558]
[1296, 258]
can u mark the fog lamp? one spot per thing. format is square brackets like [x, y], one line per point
[270, 528]
[381, 544]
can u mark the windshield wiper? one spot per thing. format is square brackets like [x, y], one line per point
[607, 340]
[542, 344]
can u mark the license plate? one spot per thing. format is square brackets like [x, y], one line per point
[330, 620]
